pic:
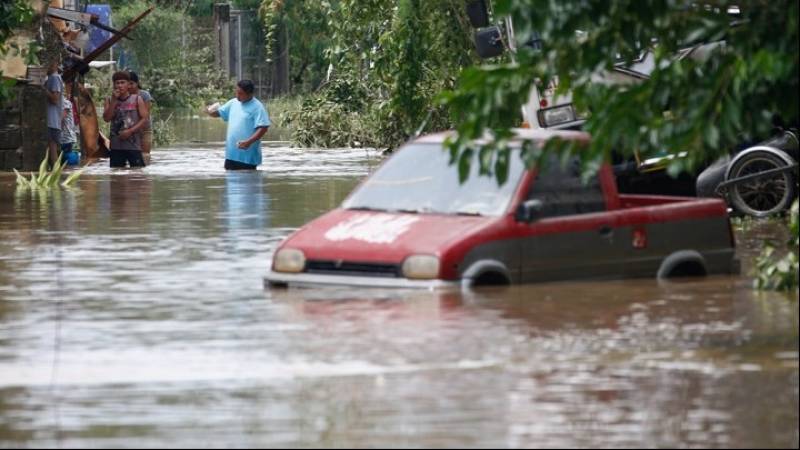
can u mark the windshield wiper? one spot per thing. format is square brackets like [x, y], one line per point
[405, 211]
[364, 208]
[468, 213]
[415, 211]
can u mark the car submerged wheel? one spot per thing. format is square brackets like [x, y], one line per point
[763, 196]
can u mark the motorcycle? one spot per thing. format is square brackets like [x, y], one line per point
[760, 180]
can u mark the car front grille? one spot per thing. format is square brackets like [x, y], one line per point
[353, 268]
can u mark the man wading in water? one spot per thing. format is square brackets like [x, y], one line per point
[128, 115]
[247, 121]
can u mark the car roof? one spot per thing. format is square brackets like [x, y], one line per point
[521, 134]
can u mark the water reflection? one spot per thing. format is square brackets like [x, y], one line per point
[53, 209]
[245, 205]
[124, 201]
[632, 364]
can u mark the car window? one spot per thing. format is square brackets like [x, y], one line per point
[419, 178]
[562, 191]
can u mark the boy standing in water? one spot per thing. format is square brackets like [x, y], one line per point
[69, 133]
[55, 110]
[128, 115]
[147, 133]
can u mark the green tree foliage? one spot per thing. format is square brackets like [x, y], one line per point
[383, 64]
[13, 13]
[173, 54]
[158, 40]
[407, 45]
[780, 273]
[306, 23]
[703, 106]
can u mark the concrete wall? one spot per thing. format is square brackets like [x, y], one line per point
[23, 129]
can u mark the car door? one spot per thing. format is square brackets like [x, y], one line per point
[572, 235]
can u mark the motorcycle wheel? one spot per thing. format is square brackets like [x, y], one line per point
[765, 196]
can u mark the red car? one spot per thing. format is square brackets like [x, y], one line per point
[413, 224]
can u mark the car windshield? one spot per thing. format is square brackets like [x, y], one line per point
[420, 179]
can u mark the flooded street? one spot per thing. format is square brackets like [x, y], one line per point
[133, 314]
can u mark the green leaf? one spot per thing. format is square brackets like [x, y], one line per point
[501, 166]
[55, 175]
[22, 182]
[485, 156]
[42, 170]
[72, 178]
[712, 136]
[464, 161]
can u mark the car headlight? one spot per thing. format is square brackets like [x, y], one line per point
[289, 260]
[421, 267]
[557, 115]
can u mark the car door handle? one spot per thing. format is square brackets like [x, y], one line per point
[606, 231]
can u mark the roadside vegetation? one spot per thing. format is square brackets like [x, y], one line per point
[47, 179]
[368, 72]
[13, 14]
[777, 267]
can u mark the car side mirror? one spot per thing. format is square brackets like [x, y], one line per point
[489, 42]
[529, 210]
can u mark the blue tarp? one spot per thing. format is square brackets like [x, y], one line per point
[97, 36]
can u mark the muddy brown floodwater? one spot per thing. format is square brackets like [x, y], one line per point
[132, 314]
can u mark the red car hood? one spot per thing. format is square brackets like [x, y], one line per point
[367, 236]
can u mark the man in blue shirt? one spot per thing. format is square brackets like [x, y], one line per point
[247, 121]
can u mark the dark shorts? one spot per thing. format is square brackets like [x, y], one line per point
[236, 165]
[119, 158]
[54, 135]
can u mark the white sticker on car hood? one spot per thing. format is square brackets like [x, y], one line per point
[372, 228]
